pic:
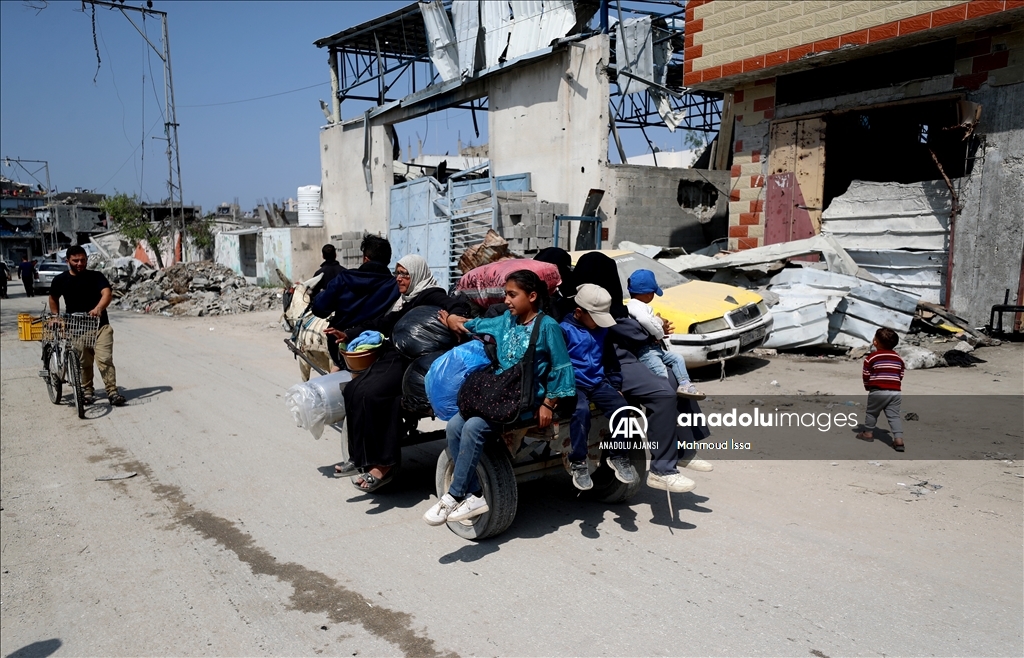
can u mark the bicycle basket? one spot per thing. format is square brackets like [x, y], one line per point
[79, 328]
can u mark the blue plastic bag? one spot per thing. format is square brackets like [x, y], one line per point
[448, 372]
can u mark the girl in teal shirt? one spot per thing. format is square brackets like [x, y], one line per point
[525, 296]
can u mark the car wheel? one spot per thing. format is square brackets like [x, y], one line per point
[498, 482]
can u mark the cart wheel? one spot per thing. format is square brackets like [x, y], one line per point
[54, 386]
[498, 481]
[75, 377]
[607, 487]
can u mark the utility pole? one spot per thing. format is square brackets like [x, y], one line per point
[170, 116]
[9, 161]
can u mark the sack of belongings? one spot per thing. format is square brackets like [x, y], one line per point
[485, 285]
[414, 391]
[447, 373]
[419, 333]
[318, 402]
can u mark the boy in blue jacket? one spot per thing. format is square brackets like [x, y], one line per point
[585, 332]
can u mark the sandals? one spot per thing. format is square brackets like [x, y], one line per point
[373, 482]
[345, 469]
[898, 447]
[117, 400]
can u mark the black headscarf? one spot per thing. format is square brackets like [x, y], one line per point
[600, 270]
[561, 259]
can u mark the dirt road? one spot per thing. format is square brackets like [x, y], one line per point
[232, 539]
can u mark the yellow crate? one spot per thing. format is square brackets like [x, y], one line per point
[29, 328]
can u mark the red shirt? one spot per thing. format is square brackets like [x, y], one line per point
[883, 369]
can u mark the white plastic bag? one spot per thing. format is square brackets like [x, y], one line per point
[318, 402]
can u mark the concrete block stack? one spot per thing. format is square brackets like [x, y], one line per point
[528, 223]
[347, 244]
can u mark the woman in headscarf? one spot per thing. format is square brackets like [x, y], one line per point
[640, 386]
[373, 399]
[597, 268]
[561, 301]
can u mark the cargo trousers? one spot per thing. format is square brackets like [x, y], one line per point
[103, 356]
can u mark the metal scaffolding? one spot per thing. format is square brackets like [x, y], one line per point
[386, 59]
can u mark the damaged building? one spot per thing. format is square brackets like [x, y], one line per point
[557, 87]
[895, 127]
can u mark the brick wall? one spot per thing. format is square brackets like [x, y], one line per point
[754, 105]
[994, 57]
[728, 37]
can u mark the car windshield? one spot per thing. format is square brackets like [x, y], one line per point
[53, 267]
[631, 262]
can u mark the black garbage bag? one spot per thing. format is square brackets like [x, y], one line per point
[419, 332]
[961, 359]
[414, 388]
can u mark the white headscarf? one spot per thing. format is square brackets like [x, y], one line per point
[420, 278]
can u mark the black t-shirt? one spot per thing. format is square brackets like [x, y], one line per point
[81, 292]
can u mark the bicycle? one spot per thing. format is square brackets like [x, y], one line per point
[65, 336]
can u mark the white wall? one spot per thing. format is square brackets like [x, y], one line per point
[348, 206]
[551, 119]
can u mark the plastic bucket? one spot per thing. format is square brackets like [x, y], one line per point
[357, 362]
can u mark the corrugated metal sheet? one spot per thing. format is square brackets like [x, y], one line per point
[466, 14]
[634, 53]
[444, 52]
[898, 232]
[855, 308]
[497, 21]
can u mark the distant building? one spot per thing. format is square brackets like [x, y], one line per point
[19, 231]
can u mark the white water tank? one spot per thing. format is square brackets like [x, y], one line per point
[311, 211]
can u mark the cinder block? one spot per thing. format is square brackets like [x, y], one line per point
[829, 18]
[800, 23]
[544, 231]
[900, 11]
[789, 11]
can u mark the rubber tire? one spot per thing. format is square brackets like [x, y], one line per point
[498, 481]
[607, 487]
[54, 386]
[75, 379]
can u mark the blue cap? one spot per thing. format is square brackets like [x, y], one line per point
[642, 282]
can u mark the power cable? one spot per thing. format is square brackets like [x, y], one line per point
[132, 155]
[258, 98]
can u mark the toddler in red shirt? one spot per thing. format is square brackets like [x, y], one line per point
[883, 377]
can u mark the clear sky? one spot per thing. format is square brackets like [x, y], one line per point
[221, 52]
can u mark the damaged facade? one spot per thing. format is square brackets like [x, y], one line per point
[898, 127]
[555, 88]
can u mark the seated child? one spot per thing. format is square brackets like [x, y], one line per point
[883, 377]
[585, 331]
[642, 289]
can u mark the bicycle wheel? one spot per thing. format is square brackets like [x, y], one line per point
[54, 386]
[75, 379]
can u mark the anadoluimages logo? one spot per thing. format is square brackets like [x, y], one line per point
[628, 426]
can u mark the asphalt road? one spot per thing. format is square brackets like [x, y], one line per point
[233, 540]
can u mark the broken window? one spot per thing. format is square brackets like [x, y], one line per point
[894, 144]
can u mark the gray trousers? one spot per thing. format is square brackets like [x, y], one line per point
[889, 402]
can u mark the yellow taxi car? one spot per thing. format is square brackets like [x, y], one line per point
[712, 321]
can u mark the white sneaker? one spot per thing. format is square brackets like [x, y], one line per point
[472, 507]
[696, 464]
[674, 482]
[688, 390]
[442, 509]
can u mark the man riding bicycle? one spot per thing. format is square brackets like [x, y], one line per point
[88, 291]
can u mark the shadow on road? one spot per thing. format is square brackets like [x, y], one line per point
[37, 649]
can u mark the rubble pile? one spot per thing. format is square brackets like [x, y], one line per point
[196, 289]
